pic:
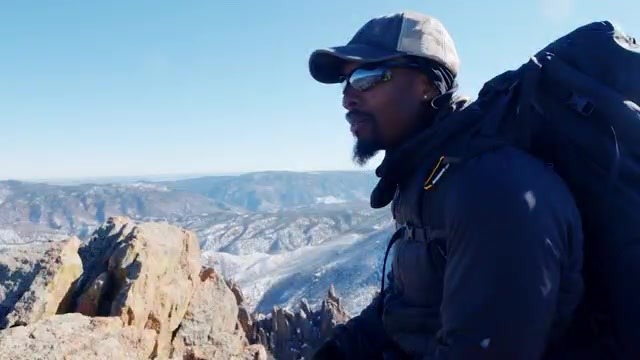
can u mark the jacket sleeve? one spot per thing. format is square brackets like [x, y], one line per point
[501, 282]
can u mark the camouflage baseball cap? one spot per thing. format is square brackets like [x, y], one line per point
[384, 38]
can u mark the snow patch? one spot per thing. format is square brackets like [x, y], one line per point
[330, 200]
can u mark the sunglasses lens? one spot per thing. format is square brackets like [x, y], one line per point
[365, 79]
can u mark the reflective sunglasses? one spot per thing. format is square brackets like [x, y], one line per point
[366, 77]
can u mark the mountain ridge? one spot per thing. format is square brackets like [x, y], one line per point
[243, 223]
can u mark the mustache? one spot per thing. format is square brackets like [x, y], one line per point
[357, 115]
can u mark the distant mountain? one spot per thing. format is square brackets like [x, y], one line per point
[125, 179]
[282, 235]
[269, 191]
[284, 230]
[78, 209]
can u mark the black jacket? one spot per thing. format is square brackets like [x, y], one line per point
[487, 258]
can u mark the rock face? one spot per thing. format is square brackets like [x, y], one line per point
[134, 291]
[36, 280]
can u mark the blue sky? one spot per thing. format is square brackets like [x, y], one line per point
[115, 88]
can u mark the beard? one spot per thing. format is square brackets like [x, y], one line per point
[364, 150]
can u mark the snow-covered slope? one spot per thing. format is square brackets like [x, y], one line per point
[20, 234]
[279, 258]
[282, 231]
[351, 262]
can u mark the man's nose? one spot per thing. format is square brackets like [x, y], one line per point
[350, 98]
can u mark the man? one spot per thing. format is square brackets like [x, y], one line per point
[488, 251]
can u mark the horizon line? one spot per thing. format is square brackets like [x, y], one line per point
[166, 176]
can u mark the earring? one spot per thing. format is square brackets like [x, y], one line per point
[433, 102]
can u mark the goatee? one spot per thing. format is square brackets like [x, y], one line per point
[364, 150]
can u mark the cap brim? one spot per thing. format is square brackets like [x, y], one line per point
[325, 65]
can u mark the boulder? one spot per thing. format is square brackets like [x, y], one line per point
[145, 274]
[36, 280]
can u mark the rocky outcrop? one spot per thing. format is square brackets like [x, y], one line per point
[294, 335]
[134, 291]
[212, 320]
[144, 274]
[36, 280]
[75, 336]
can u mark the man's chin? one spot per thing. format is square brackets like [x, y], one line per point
[364, 150]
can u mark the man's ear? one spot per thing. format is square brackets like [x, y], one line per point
[426, 88]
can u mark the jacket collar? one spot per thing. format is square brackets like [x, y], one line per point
[425, 146]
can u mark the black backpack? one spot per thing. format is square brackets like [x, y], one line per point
[575, 106]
